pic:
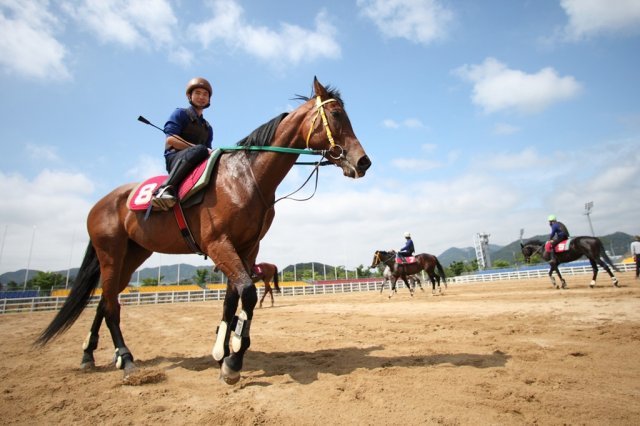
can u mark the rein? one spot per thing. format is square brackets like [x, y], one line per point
[319, 112]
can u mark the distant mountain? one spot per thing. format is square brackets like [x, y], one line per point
[466, 254]
[616, 244]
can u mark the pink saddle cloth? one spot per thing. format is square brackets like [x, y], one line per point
[562, 246]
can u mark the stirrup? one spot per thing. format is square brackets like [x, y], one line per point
[164, 199]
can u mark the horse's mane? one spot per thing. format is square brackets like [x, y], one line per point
[263, 135]
[332, 92]
[534, 243]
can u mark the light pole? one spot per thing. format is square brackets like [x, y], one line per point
[587, 211]
[26, 274]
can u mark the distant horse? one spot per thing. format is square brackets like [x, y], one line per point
[424, 262]
[590, 247]
[235, 214]
[386, 277]
[266, 272]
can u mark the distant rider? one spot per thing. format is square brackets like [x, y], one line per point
[407, 249]
[559, 233]
[635, 252]
[188, 141]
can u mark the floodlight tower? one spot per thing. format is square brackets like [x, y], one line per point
[587, 212]
[481, 243]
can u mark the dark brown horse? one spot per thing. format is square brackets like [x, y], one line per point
[424, 262]
[235, 214]
[267, 272]
[590, 247]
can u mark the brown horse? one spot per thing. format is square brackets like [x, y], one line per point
[235, 214]
[267, 272]
[424, 262]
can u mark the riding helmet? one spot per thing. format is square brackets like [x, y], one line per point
[551, 217]
[407, 235]
[199, 82]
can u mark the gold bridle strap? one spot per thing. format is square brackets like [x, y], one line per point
[320, 112]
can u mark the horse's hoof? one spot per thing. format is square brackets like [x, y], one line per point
[88, 366]
[228, 375]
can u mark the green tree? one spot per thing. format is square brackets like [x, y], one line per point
[363, 272]
[501, 263]
[148, 282]
[201, 276]
[455, 268]
[46, 280]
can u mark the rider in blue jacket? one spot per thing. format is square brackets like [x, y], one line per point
[559, 233]
[407, 249]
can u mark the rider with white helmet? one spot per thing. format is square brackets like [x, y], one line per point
[407, 249]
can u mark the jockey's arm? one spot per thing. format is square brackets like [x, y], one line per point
[177, 143]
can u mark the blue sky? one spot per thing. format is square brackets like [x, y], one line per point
[477, 116]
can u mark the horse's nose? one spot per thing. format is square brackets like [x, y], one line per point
[363, 164]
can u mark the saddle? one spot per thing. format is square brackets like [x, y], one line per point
[198, 179]
[562, 246]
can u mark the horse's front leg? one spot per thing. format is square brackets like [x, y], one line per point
[552, 278]
[234, 331]
[406, 283]
[562, 281]
[264, 294]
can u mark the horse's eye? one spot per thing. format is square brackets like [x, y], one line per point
[335, 114]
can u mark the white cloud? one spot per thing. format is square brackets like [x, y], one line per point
[594, 17]
[51, 209]
[410, 123]
[290, 45]
[43, 153]
[419, 21]
[497, 87]
[505, 129]
[28, 46]
[137, 24]
[146, 167]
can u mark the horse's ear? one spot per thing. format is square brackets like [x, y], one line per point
[318, 88]
[521, 245]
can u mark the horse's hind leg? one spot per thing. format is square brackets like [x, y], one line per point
[90, 344]
[115, 274]
[594, 266]
[604, 265]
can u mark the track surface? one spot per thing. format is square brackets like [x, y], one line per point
[512, 352]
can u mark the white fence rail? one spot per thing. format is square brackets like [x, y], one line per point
[37, 304]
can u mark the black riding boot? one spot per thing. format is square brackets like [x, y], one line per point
[167, 195]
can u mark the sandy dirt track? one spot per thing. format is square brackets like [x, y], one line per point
[503, 353]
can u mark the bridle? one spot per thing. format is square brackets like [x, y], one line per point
[321, 113]
[378, 259]
[539, 249]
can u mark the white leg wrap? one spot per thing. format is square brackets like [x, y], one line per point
[85, 344]
[218, 347]
[236, 337]
[593, 283]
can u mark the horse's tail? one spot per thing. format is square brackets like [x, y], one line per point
[276, 279]
[86, 281]
[441, 270]
[605, 256]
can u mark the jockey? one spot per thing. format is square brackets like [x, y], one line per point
[559, 233]
[188, 141]
[407, 249]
